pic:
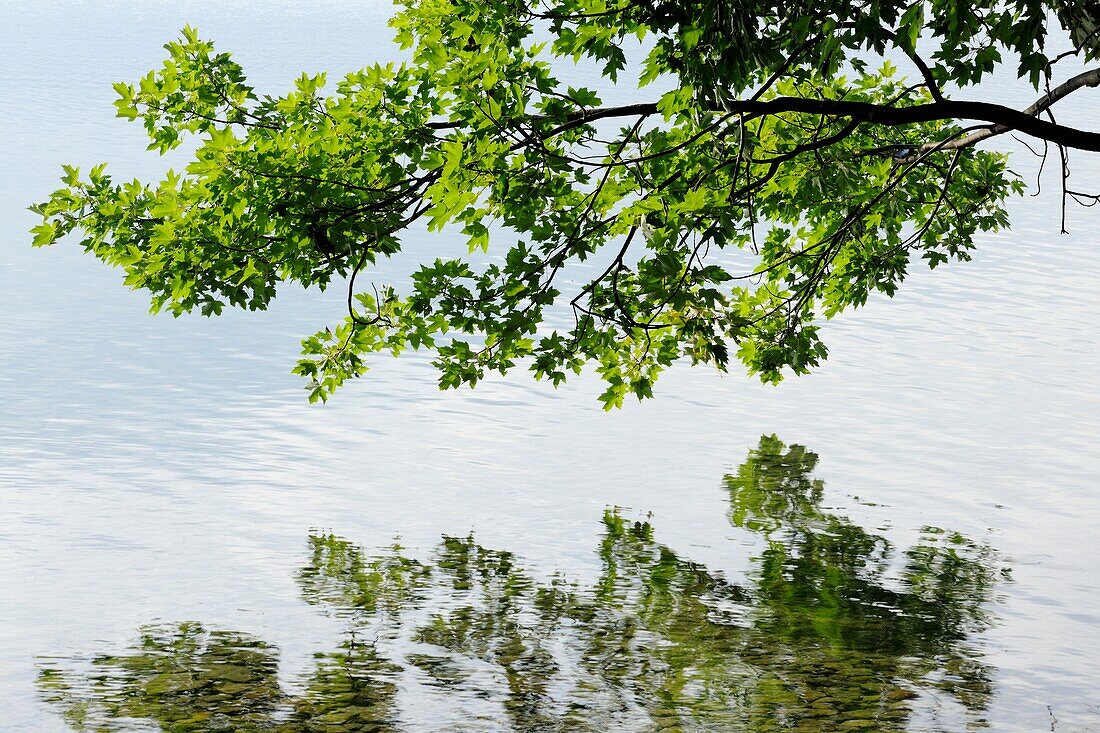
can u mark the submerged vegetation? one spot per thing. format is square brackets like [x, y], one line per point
[833, 629]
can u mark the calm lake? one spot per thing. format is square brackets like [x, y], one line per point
[905, 540]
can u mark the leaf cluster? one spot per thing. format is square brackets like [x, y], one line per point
[722, 221]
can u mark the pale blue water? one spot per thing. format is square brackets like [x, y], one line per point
[162, 470]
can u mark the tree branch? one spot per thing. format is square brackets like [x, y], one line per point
[1001, 118]
[1089, 78]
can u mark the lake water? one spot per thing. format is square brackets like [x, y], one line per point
[167, 497]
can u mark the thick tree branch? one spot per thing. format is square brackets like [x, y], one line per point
[1001, 117]
[1089, 78]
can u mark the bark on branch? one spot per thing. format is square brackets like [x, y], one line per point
[1001, 118]
[1089, 78]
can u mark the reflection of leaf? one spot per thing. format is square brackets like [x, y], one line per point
[338, 575]
[443, 671]
[490, 629]
[772, 488]
[184, 677]
[822, 637]
[351, 690]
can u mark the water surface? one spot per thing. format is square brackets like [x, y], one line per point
[165, 475]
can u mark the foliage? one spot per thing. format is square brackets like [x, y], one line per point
[787, 173]
[832, 630]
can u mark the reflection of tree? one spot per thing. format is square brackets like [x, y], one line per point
[824, 602]
[350, 690]
[835, 631]
[184, 677]
[339, 577]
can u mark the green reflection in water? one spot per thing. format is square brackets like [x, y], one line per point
[834, 630]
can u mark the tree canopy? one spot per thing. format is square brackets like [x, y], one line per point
[784, 172]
